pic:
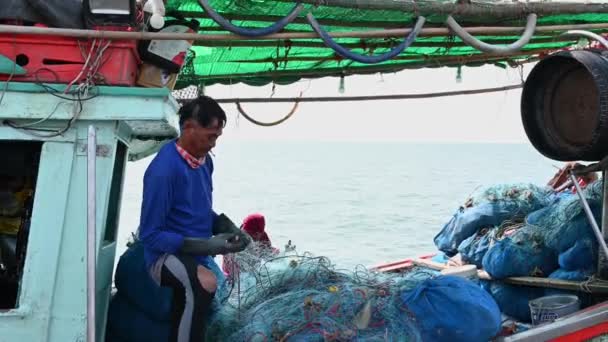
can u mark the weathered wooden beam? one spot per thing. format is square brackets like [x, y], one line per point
[599, 287]
[489, 11]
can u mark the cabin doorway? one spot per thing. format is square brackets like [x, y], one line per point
[18, 173]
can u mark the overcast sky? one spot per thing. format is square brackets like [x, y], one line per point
[493, 117]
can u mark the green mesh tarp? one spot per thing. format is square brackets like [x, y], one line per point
[258, 62]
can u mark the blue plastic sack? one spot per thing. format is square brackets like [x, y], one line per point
[467, 222]
[523, 254]
[514, 300]
[453, 309]
[474, 248]
[580, 256]
[135, 284]
[127, 323]
[577, 275]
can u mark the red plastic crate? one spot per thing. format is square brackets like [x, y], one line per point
[55, 59]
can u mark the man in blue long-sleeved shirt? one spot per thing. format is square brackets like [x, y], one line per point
[178, 228]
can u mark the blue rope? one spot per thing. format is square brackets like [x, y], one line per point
[346, 53]
[274, 28]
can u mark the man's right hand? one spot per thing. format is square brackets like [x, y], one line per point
[219, 244]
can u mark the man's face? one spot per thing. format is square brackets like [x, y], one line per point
[202, 139]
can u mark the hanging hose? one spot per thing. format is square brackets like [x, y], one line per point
[587, 34]
[346, 53]
[267, 124]
[274, 28]
[489, 48]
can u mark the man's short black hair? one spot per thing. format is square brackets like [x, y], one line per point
[202, 109]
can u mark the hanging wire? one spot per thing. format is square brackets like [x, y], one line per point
[346, 53]
[268, 124]
[274, 28]
[489, 48]
[93, 62]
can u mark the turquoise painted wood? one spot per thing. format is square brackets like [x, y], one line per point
[8, 66]
[146, 114]
[52, 299]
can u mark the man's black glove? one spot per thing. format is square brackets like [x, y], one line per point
[219, 244]
[223, 225]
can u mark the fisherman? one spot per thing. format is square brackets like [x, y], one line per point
[180, 231]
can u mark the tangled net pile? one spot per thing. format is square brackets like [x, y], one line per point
[517, 198]
[293, 297]
[489, 208]
[524, 230]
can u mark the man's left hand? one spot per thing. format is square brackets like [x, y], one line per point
[223, 224]
[237, 244]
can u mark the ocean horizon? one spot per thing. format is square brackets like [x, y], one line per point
[357, 203]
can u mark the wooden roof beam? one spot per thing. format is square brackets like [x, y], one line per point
[488, 10]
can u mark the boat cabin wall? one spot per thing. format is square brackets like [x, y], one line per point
[51, 302]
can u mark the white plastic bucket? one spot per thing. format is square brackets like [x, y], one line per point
[548, 309]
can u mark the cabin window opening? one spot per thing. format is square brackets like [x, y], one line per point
[18, 174]
[118, 173]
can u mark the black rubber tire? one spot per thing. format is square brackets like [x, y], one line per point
[564, 106]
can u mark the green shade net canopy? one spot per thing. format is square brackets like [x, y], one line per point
[256, 61]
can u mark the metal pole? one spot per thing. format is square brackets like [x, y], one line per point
[91, 231]
[425, 32]
[594, 226]
[602, 267]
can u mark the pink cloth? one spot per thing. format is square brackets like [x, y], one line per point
[254, 225]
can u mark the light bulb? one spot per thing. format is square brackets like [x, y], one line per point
[459, 75]
[157, 21]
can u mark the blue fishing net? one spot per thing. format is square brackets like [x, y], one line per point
[488, 208]
[475, 247]
[522, 254]
[554, 239]
[289, 297]
[565, 222]
[581, 256]
[305, 298]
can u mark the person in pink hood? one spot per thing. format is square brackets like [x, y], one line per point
[255, 226]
